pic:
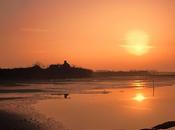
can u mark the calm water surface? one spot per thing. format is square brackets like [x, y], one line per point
[112, 105]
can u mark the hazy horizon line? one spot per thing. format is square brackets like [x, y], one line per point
[95, 70]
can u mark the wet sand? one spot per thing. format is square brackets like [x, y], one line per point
[13, 121]
[18, 114]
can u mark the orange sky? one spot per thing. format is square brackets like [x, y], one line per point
[88, 33]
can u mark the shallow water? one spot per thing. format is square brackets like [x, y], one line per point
[111, 104]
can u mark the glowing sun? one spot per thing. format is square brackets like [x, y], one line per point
[137, 43]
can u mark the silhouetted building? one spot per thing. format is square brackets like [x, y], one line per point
[66, 64]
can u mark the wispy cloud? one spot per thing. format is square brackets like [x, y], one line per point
[33, 30]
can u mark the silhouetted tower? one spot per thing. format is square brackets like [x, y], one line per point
[66, 64]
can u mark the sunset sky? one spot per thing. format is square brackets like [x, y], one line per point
[96, 34]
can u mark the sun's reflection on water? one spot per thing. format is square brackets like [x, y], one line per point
[139, 97]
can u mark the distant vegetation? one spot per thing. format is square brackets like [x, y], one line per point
[123, 73]
[133, 73]
[62, 71]
[52, 72]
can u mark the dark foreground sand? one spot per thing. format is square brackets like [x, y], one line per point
[13, 121]
[19, 115]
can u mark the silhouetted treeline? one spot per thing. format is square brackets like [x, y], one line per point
[133, 73]
[59, 71]
[52, 72]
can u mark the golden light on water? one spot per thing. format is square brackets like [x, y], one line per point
[138, 84]
[137, 43]
[139, 97]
